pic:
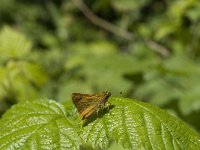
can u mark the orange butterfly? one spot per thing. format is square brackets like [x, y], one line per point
[88, 104]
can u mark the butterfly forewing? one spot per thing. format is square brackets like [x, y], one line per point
[83, 101]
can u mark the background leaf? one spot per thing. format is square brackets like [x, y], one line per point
[13, 44]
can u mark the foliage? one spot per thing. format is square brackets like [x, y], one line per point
[132, 124]
[20, 77]
[147, 49]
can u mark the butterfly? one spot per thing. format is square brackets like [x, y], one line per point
[88, 104]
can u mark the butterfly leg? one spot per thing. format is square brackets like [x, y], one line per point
[108, 104]
[98, 110]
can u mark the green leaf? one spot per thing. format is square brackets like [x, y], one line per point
[3, 76]
[110, 71]
[137, 125]
[127, 5]
[34, 73]
[115, 146]
[13, 44]
[190, 100]
[37, 125]
[19, 78]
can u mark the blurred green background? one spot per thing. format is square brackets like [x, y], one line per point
[149, 50]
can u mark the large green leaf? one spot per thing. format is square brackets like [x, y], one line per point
[138, 125]
[37, 125]
[128, 123]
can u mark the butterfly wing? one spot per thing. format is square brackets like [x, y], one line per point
[87, 104]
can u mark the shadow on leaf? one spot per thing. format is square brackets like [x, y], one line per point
[100, 114]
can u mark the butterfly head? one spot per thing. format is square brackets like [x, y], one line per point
[107, 94]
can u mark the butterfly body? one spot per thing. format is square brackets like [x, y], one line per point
[88, 104]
